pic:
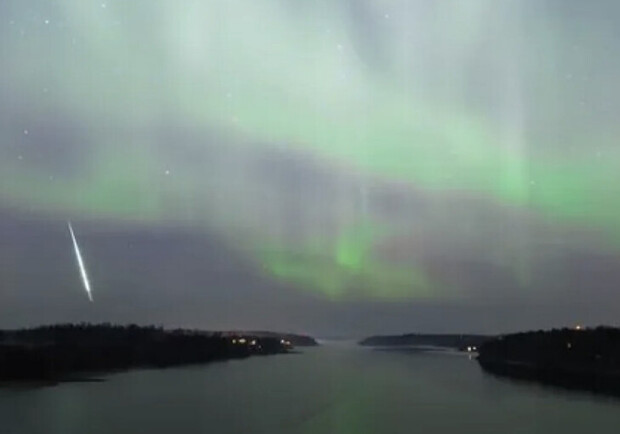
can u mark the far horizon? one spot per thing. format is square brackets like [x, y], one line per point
[324, 337]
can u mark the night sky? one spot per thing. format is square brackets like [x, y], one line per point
[336, 167]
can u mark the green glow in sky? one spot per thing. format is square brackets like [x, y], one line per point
[170, 108]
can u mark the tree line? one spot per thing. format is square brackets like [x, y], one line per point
[59, 351]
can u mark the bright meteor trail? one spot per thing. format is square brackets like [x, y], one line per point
[80, 261]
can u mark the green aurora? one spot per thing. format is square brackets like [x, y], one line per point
[390, 102]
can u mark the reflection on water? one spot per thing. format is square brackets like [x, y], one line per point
[333, 389]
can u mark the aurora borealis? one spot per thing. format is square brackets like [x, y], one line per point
[349, 155]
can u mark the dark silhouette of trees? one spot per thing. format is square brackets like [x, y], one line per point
[59, 351]
[574, 358]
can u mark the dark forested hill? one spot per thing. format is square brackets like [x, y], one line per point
[575, 358]
[54, 353]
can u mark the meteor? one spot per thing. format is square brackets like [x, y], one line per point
[80, 262]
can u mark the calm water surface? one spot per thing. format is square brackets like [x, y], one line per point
[332, 389]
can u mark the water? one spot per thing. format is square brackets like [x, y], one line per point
[333, 389]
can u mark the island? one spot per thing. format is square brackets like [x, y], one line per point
[461, 342]
[577, 358]
[76, 352]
